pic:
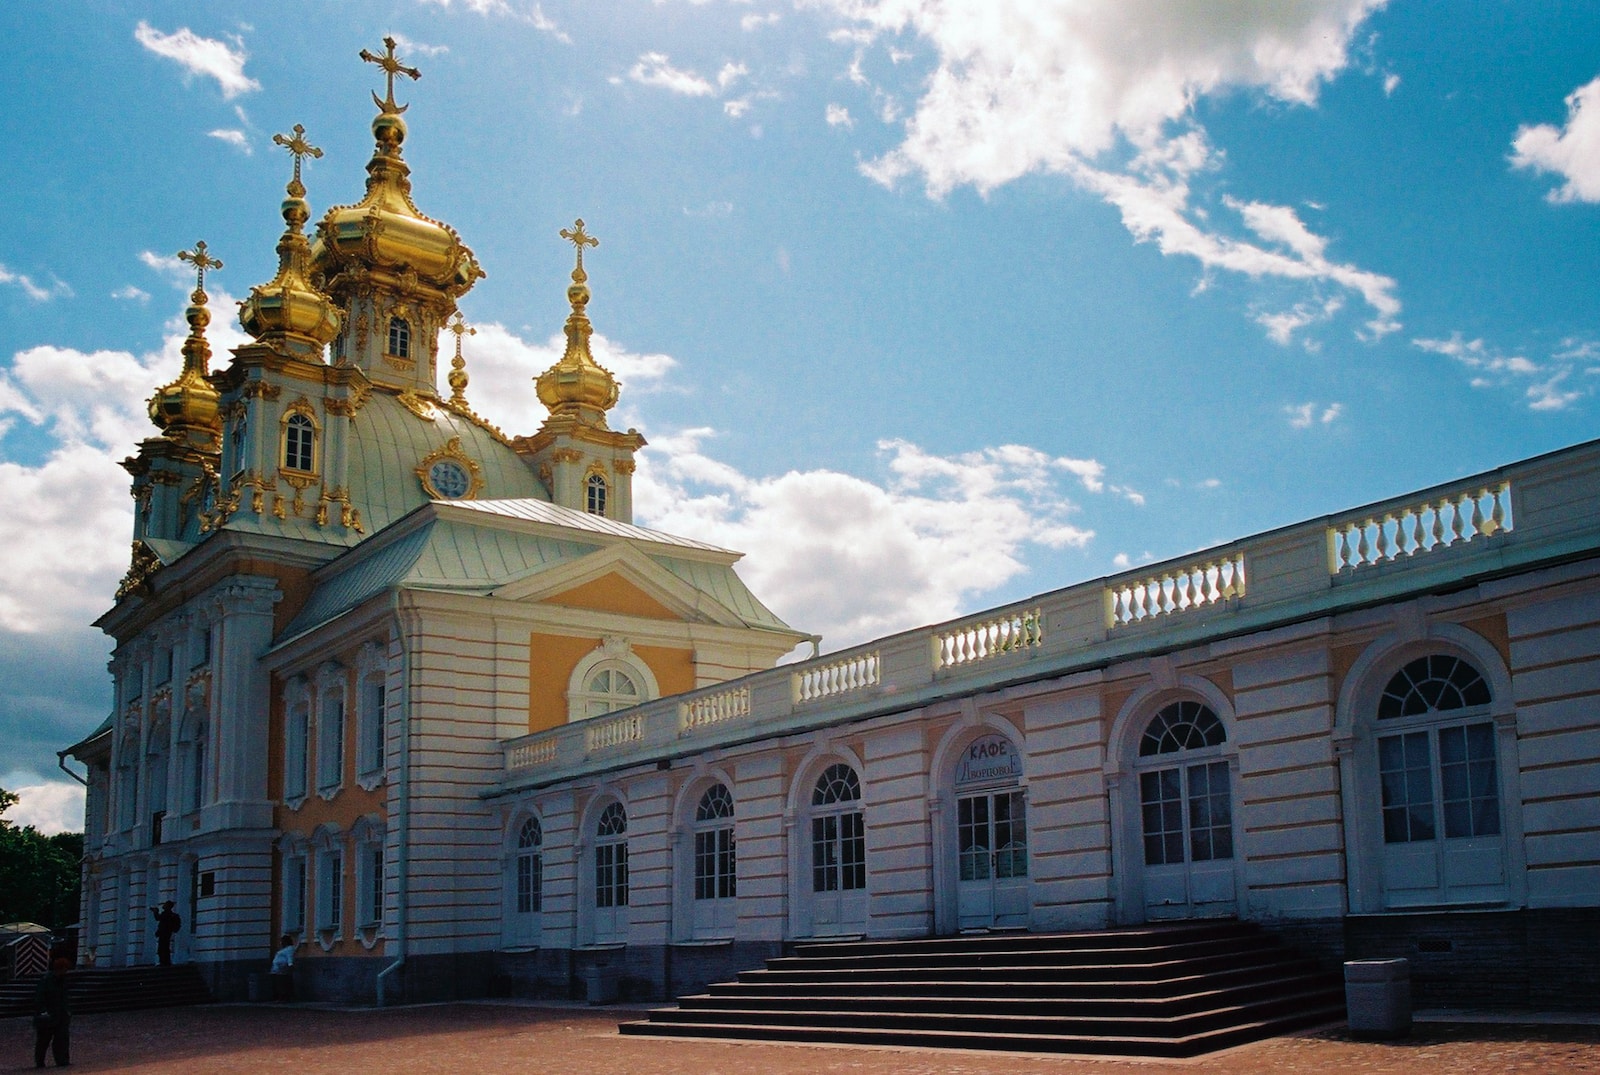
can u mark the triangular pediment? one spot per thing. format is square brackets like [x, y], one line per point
[620, 579]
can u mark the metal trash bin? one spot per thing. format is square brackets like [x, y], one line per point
[600, 985]
[1377, 995]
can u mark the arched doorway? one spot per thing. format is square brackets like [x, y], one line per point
[1184, 783]
[838, 846]
[611, 876]
[991, 836]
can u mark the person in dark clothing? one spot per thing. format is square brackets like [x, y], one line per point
[167, 924]
[52, 1018]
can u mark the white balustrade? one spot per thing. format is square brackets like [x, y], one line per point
[529, 755]
[1180, 589]
[834, 678]
[601, 734]
[711, 709]
[980, 641]
[1454, 518]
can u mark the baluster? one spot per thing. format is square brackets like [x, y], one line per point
[1457, 522]
[1438, 524]
[1477, 515]
[1498, 515]
[1383, 539]
[1342, 537]
[1364, 550]
[1416, 530]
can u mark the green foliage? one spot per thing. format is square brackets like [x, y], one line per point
[39, 875]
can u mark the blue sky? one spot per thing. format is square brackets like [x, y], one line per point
[926, 305]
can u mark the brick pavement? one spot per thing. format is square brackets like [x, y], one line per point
[505, 1038]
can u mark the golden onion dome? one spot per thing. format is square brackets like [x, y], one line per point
[578, 385]
[290, 309]
[188, 407]
[385, 232]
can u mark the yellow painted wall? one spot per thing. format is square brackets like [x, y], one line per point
[612, 593]
[551, 659]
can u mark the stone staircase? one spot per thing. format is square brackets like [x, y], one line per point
[1168, 990]
[116, 989]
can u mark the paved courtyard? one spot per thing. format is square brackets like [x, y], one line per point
[491, 1038]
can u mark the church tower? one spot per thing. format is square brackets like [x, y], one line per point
[174, 473]
[396, 273]
[587, 465]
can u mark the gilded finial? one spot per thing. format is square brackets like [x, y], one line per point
[458, 365]
[391, 66]
[299, 148]
[201, 262]
[580, 239]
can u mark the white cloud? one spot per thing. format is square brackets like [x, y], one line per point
[405, 46]
[853, 558]
[49, 806]
[533, 15]
[235, 138]
[34, 291]
[710, 209]
[1305, 415]
[201, 56]
[731, 73]
[839, 116]
[655, 69]
[67, 528]
[737, 107]
[1391, 82]
[131, 294]
[1103, 91]
[1544, 384]
[1571, 152]
[748, 23]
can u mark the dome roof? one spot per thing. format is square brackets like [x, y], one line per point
[385, 234]
[289, 310]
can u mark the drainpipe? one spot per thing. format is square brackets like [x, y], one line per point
[61, 763]
[402, 807]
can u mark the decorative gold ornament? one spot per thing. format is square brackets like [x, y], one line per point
[458, 365]
[289, 312]
[577, 387]
[391, 66]
[143, 564]
[186, 410]
[449, 473]
[419, 405]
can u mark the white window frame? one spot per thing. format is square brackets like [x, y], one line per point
[329, 889]
[612, 654]
[367, 838]
[371, 715]
[333, 707]
[293, 878]
[297, 728]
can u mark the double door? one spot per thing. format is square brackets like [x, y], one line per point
[992, 860]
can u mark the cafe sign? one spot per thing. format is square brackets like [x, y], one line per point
[989, 760]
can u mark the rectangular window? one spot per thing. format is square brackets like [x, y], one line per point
[714, 864]
[611, 875]
[294, 893]
[372, 716]
[1210, 813]
[530, 877]
[296, 735]
[372, 886]
[1011, 835]
[330, 743]
[1468, 782]
[164, 666]
[1405, 774]
[202, 646]
[330, 890]
[1161, 802]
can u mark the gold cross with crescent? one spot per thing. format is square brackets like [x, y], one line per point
[201, 262]
[460, 327]
[298, 147]
[391, 66]
[580, 239]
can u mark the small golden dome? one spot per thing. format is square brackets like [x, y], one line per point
[578, 385]
[187, 409]
[290, 309]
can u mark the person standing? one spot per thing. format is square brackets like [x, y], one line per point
[52, 1018]
[283, 969]
[167, 924]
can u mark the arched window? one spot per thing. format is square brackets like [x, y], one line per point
[595, 494]
[331, 688]
[399, 337]
[838, 835]
[608, 687]
[611, 858]
[1436, 757]
[530, 867]
[299, 442]
[1186, 802]
[714, 846]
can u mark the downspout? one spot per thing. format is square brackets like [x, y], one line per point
[402, 808]
[61, 763]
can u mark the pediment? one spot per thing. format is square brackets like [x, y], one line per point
[620, 579]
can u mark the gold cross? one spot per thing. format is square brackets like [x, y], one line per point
[460, 327]
[391, 66]
[201, 262]
[580, 239]
[298, 147]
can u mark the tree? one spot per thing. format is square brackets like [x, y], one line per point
[39, 875]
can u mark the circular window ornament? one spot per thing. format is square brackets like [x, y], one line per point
[450, 474]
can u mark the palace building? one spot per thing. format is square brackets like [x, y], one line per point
[418, 692]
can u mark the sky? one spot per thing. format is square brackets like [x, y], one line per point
[925, 305]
